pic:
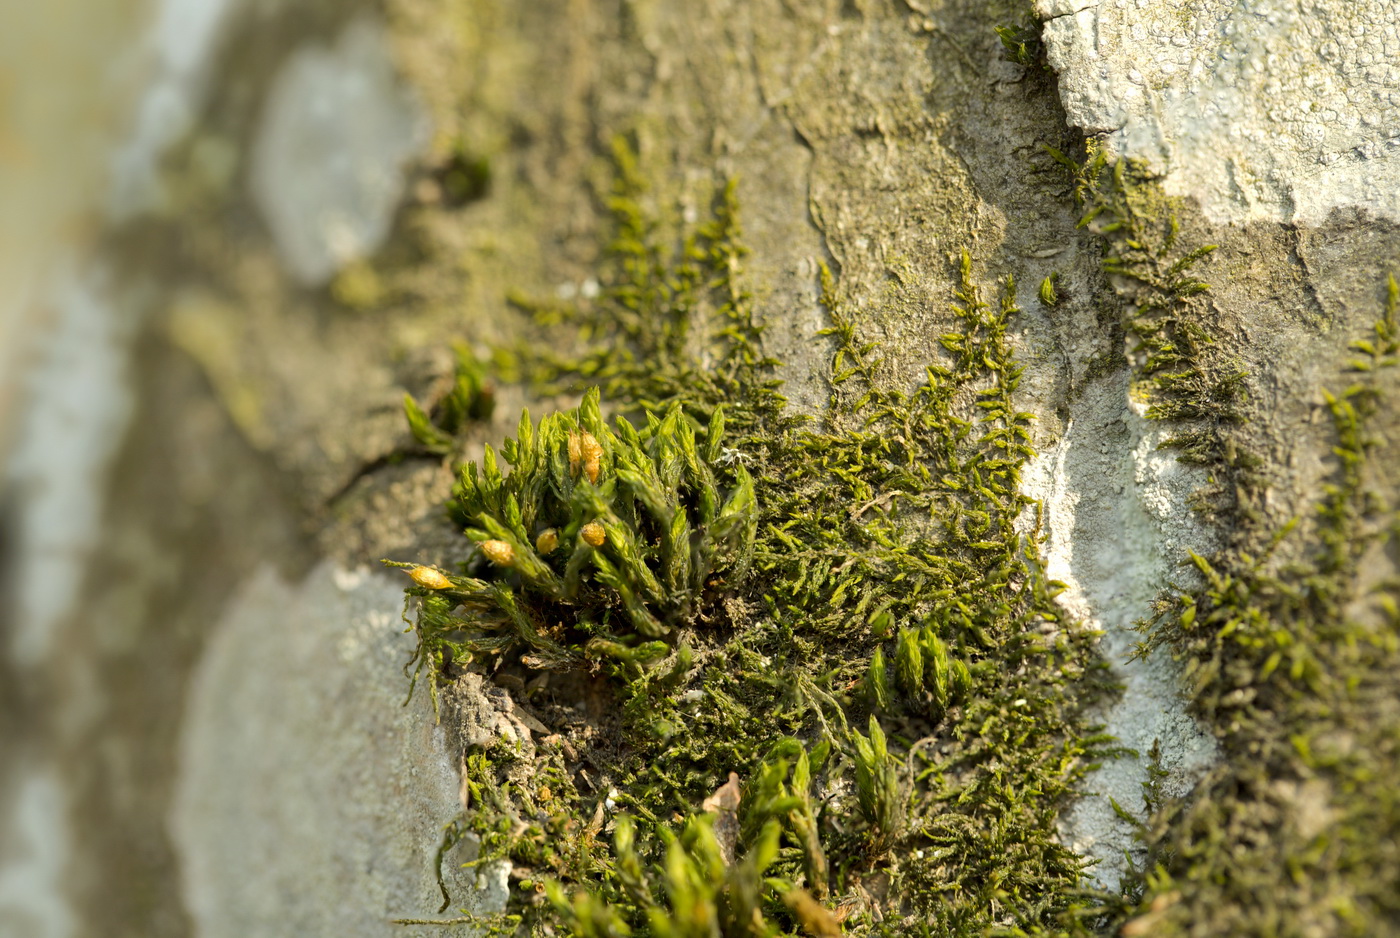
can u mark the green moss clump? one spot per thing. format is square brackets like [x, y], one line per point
[600, 544]
[773, 583]
[1181, 368]
[1021, 42]
[669, 326]
[471, 398]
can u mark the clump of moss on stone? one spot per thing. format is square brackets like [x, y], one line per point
[471, 398]
[1021, 42]
[670, 325]
[1292, 663]
[1295, 665]
[890, 529]
[1182, 370]
[594, 547]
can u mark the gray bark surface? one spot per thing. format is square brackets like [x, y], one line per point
[210, 740]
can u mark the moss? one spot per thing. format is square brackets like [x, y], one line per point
[887, 530]
[1021, 42]
[891, 528]
[1294, 665]
[471, 398]
[1290, 657]
[595, 547]
[463, 176]
[888, 578]
[1183, 372]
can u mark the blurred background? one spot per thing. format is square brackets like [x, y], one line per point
[233, 234]
[181, 183]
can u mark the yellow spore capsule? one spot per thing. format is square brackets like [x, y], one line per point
[593, 534]
[575, 452]
[592, 452]
[547, 541]
[498, 552]
[428, 578]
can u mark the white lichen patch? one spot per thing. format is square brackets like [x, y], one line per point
[328, 160]
[309, 801]
[1261, 109]
[1115, 510]
[78, 405]
[178, 49]
[34, 847]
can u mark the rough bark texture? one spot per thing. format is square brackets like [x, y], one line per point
[214, 725]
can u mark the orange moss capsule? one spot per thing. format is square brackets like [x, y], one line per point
[498, 552]
[428, 578]
[592, 452]
[593, 534]
[547, 541]
[585, 454]
[575, 452]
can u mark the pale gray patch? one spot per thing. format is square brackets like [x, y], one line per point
[310, 801]
[178, 47]
[78, 404]
[34, 843]
[1261, 109]
[1118, 527]
[329, 154]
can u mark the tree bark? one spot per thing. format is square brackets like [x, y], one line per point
[217, 719]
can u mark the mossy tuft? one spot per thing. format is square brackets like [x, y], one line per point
[597, 544]
[765, 585]
[1294, 665]
[1181, 367]
[471, 398]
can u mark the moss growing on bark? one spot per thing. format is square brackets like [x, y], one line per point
[889, 529]
[597, 546]
[1184, 372]
[472, 397]
[1294, 664]
[1290, 656]
[871, 520]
